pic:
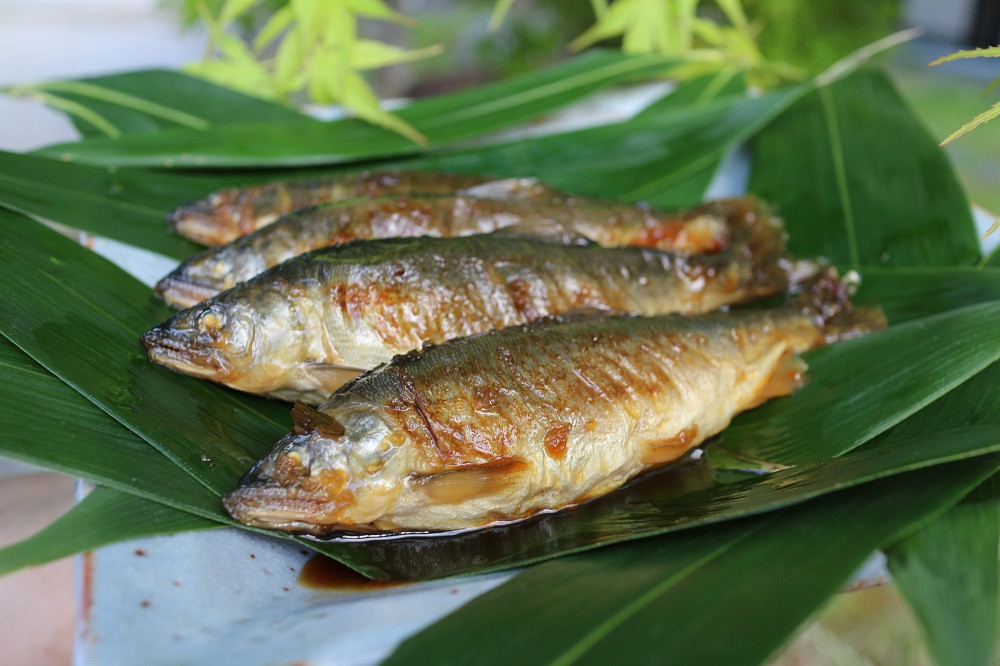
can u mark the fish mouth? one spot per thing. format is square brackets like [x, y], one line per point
[203, 222]
[175, 352]
[286, 508]
[184, 293]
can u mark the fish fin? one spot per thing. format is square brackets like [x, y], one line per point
[309, 419]
[662, 451]
[331, 377]
[827, 298]
[757, 238]
[461, 483]
[787, 377]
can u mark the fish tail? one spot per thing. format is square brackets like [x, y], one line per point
[827, 298]
[758, 237]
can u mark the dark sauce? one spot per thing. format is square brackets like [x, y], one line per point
[323, 573]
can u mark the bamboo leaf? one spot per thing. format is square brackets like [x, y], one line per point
[444, 120]
[867, 385]
[100, 448]
[105, 516]
[853, 152]
[666, 156]
[152, 100]
[948, 574]
[125, 204]
[720, 596]
[912, 293]
[55, 291]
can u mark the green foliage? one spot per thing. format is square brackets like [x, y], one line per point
[988, 114]
[676, 28]
[316, 49]
[817, 33]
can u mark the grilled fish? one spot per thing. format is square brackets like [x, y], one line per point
[532, 418]
[224, 216]
[702, 229]
[300, 330]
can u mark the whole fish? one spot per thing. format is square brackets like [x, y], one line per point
[538, 417]
[300, 330]
[226, 215]
[702, 229]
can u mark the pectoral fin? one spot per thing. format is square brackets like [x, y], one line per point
[329, 377]
[308, 419]
[461, 483]
[787, 377]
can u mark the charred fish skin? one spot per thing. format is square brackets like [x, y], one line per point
[537, 417]
[694, 231]
[302, 329]
[227, 214]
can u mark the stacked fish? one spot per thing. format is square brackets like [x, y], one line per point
[478, 351]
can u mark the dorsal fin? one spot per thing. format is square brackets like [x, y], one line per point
[308, 419]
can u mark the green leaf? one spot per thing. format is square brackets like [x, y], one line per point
[152, 100]
[500, 10]
[718, 596]
[370, 54]
[55, 291]
[948, 574]
[64, 432]
[126, 204]
[444, 120]
[666, 157]
[911, 293]
[105, 516]
[987, 115]
[867, 385]
[361, 99]
[990, 52]
[854, 152]
[276, 24]
[233, 9]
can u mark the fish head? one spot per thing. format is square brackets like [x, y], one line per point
[222, 216]
[211, 340]
[205, 275]
[323, 476]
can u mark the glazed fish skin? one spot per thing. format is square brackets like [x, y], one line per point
[531, 418]
[702, 229]
[224, 216]
[302, 329]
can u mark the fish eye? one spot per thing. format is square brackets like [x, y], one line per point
[210, 324]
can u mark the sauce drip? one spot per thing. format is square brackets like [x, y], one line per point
[323, 573]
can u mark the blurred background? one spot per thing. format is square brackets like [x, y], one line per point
[57, 39]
